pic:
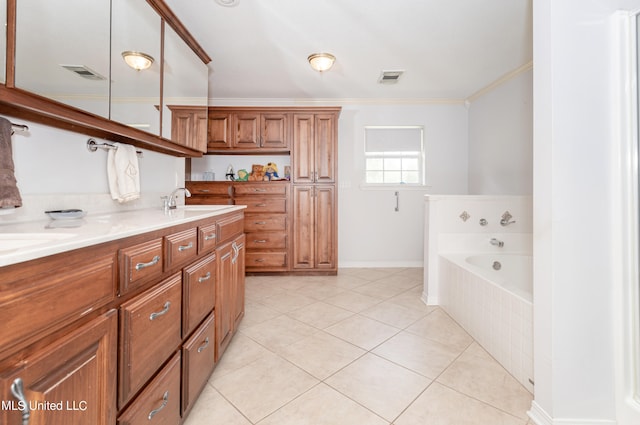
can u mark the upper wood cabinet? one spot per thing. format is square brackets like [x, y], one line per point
[314, 148]
[189, 126]
[248, 130]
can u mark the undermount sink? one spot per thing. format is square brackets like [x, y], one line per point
[13, 241]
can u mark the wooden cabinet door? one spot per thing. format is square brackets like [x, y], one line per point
[247, 131]
[274, 128]
[303, 227]
[303, 149]
[70, 382]
[198, 293]
[198, 360]
[189, 127]
[219, 134]
[201, 129]
[224, 302]
[238, 262]
[325, 212]
[325, 162]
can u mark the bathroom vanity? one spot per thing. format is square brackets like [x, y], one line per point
[120, 320]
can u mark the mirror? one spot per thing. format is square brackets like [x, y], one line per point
[135, 95]
[185, 78]
[62, 51]
[3, 41]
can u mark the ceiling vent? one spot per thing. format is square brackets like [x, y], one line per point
[389, 77]
[84, 72]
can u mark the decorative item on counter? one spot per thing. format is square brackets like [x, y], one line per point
[230, 173]
[208, 176]
[243, 175]
[271, 171]
[257, 173]
[287, 172]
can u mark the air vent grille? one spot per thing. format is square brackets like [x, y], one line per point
[390, 77]
[84, 72]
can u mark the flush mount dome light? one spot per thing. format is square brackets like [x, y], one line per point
[321, 61]
[228, 3]
[137, 60]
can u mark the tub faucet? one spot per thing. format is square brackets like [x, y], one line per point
[170, 202]
[496, 242]
[505, 219]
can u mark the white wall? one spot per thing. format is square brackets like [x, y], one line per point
[501, 139]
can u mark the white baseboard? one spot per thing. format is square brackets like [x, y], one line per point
[540, 417]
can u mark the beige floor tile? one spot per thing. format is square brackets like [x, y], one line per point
[416, 273]
[412, 298]
[361, 331]
[321, 354]
[428, 358]
[394, 314]
[322, 405]
[256, 313]
[279, 332]
[383, 289]
[320, 315]
[320, 290]
[263, 386]
[478, 375]
[438, 326]
[353, 301]
[211, 408]
[287, 301]
[349, 281]
[379, 385]
[440, 405]
[241, 351]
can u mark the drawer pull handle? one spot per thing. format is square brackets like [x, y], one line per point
[259, 190]
[185, 247]
[205, 277]
[204, 346]
[260, 241]
[260, 222]
[153, 262]
[259, 260]
[236, 252]
[153, 315]
[210, 236]
[165, 400]
[261, 205]
[204, 190]
[17, 389]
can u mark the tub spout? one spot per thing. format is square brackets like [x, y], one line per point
[496, 242]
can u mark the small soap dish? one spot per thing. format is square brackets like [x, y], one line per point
[69, 214]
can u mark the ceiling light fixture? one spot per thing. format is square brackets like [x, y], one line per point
[137, 60]
[321, 61]
[228, 3]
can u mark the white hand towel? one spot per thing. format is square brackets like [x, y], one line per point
[123, 173]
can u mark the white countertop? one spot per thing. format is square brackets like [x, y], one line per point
[34, 239]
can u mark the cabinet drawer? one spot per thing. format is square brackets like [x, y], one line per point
[180, 248]
[210, 188]
[159, 402]
[265, 259]
[260, 222]
[31, 307]
[207, 238]
[262, 204]
[198, 356]
[260, 189]
[266, 240]
[198, 286]
[229, 227]
[150, 331]
[140, 263]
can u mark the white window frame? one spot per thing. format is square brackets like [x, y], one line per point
[391, 154]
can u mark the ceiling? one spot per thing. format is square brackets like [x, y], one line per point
[449, 49]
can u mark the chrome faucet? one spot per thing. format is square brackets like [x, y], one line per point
[496, 242]
[170, 201]
[505, 219]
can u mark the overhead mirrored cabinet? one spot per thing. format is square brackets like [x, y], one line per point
[135, 65]
[64, 54]
[96, 67]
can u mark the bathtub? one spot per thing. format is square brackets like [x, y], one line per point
[493, 304]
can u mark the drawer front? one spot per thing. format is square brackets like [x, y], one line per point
[198, 360]
[262, 204]
[266, 240]
[229, 227]
[140, 263]
[35, 307]
[207, 238]
[199, 289]
[180, 248]
[159, 402]
[150, 331]
[265, 259]
[260, 189]
[265, 222]
[209, 200]
[209, 188]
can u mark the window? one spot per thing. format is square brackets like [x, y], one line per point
[394, 155]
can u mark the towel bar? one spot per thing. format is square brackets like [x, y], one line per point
[93, 146]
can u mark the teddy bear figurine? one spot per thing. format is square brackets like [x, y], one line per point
[257, 173]
[271, 171]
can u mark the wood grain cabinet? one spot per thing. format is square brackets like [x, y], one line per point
[198, 360]
[189, 126]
